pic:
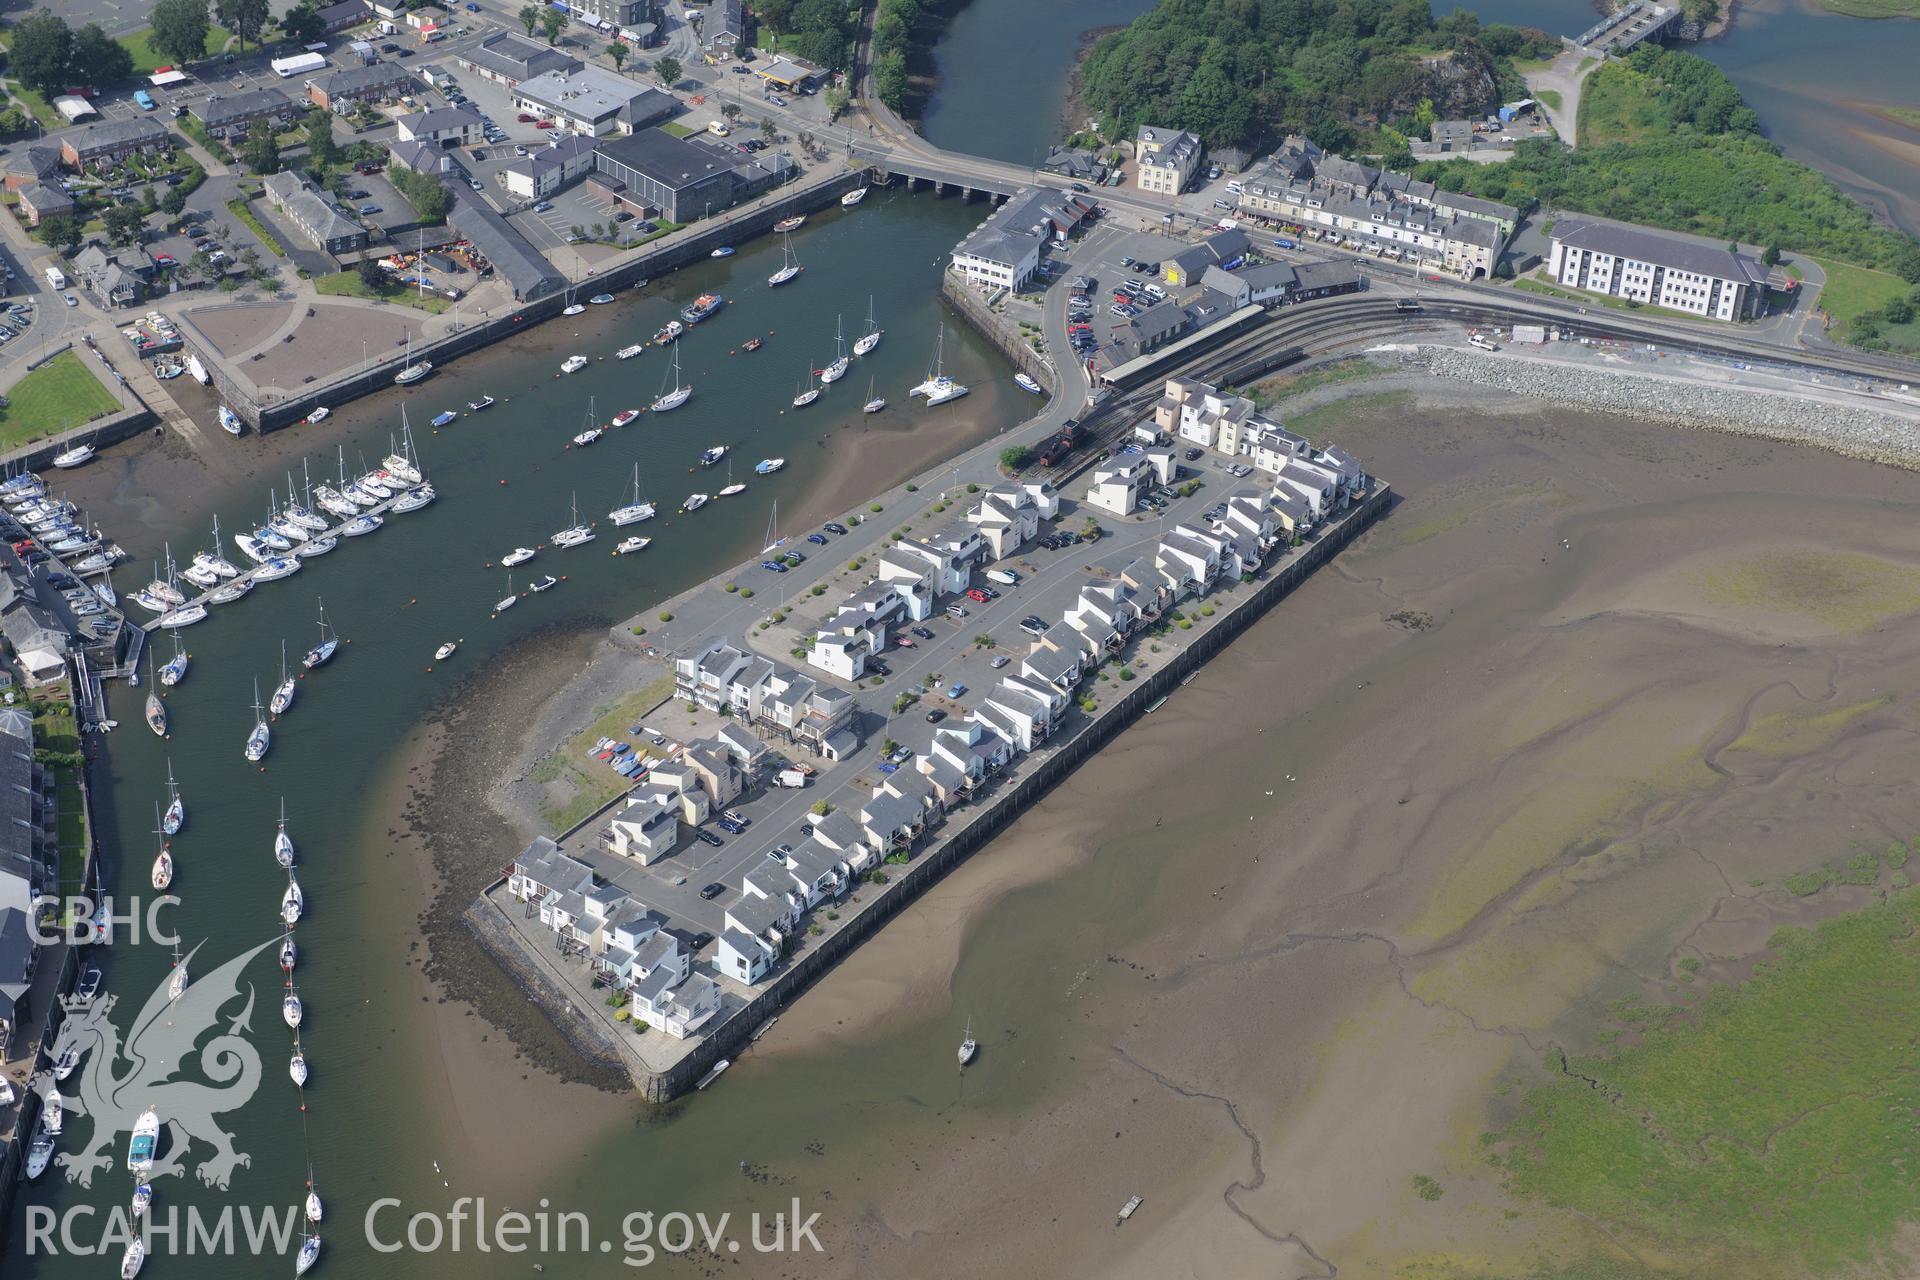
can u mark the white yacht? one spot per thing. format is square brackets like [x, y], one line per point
[329, 642]
[520, 555]
[360, 526]
[628, 353]
[275, 569]
[39, 1154]
[837, 368]
[176, 807]
[262, 736]
[678, 396]
[291, 1011]
[573, 364]
[711, 457]
[413, 499]
[185, 617]
[938, 387]
[867, 341]
[630, 545]
[318, 415]
[790, 265]
[317, 547]
[509, 600]
[875, 403]
[309, 1254]
[635, 511]
[282, 842]
[134, 1258]
[78, 456]
[230, 421]
[297, 1066]
[144, 1144]
[853, 197]
[575, 534]
[283, 692]
[805, 395]
[292, 902]
[176, 668]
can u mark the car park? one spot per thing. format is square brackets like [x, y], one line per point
[713, 891]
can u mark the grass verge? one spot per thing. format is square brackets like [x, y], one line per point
[243, 210]
[1852, 291]
[61, 393]
[348, 284]
[576, 783]
[1267, 391]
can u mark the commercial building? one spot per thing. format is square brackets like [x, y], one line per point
[508, 59]
[425, 157]
[380, 82]
[683, 178]
[104, 145]
[24, 872]
[230, 116]
[502, 247]
[789, 73]
[1165, 159]
[1004, 250]
[322, 221]
[564, 161]
[609, 14]
[1661, 269]
[593, 101]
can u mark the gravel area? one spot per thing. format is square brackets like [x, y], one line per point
[1891, 436]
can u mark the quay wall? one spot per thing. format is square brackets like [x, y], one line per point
[981, 825]
[642, 264]
[998, 330]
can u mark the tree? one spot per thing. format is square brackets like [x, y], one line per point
[174, 202]
[149, 202]
[1771, 254]
[838, 100]
[14, 122]
[98, 58]
[552, 23]
[529, 16]
[61, 232]
[261, 151]
[124, 223]
[427, 194]
[180, 29]
[1898, 311]
[617, 50]
[245, 18]
[303, 24]
[40, 48]
[890, 79]
[372, 275]
[773, 14]
[1015, 457]
[731, 110]
[768, 129]
[319, 128]
[668, 70]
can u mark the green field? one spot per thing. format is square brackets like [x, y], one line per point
[1768, 1132]
[1551, 97]
[1618, 104]
[1874, 8]
[61, 393]
[1851, 291]
[242, 208]
[146, 58]
[348, 284]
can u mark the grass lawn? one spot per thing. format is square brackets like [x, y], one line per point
[677, 129]
[59, 394]
[39, 107]
[243, 210]
[588, 779]
[1852, 290]
[1549, 96]
[1768, 1132]
[1617, 104]
[348, 284]
[146, 58]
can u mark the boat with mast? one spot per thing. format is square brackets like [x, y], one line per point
[283, 692]
[575, 534]
[794, 223]
[411, 372]
[258, 740]
[853, 197]
[175, 669]
[134, 1258]
[292, 903]
[321, 653]
[403, 463]
[874, 403]
[838, 368]
[291, 1011]
[867, 341]
[177, 984]
[176, 807]
[790, 265]
[156, 709]
[297, 1065]
[591, 431]
[804, 394]
[678, 396]
[509, 600]
[162, 875]
[309, 1254]
[289, 952]
[938, 387]
[968, 1046]
[635, 511]
[78, 456]
[282, 842]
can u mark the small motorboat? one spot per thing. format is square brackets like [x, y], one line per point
[63, 1067]
[712, 456]
[54, 1117]
[144, 1144]
[445, 651]
[751, 344]
[724, 251]
[1028, 384]
[573, 364]
[318, 415]
[297, 1068]
[600, 299]
[853, 197]
[519, 555]
[230, 421]
[623, 417]
[445, 416]
[668, 333]
[791, 224]
[628, 353]
[695, 501]
[484, 402]
[88, 988]
[767, 466]
[142, 1199]
[702, 307]
[630, 545]
[543, 583]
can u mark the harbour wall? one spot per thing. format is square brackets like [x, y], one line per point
[644, 264]
[111, 429]
[1238, 608]
[996, 329]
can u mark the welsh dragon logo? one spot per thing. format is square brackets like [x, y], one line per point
[163, 1053]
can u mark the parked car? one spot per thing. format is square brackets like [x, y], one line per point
[526, 117]
[956, 611]
[1193, 454]
[367, 210]
[699, 940]
[935, 716]
[976, 595]
[730, 827]
[713, 891]
[924, 633]
[795, 558]
[1080, 187]
[543, 124]
[1033, 626]
[707, 837]
[818, 539]
[521, 151]
[1000, 662]
[773, 566]
[834, 526]
[956, 690]
[543, 206]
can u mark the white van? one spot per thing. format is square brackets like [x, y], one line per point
[717, 129]
[790, 778]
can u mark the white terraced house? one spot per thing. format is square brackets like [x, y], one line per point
[1680, 273]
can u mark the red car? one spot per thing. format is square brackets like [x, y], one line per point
[905, 642]
[1124, 299]
[543, 124]
[163, 259]
[524, 118]
[976, 595]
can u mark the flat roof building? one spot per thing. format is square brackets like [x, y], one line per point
[684, 178]
[594, 101]
[508, 59]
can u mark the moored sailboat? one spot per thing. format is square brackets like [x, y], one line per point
[635, 511]
[678, 396]
[323, 652]
[867, 341]
[262, 736]
[283, 692]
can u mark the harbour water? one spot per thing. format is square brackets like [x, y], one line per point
[377, 1100]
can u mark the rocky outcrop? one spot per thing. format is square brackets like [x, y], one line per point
[1461, 84]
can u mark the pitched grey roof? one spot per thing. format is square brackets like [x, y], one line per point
[512, 256]
[217, 112]
[1676, 252]
[438, 118]
[517, 58]
[350, 81]
[1321, 275]
[142, 131]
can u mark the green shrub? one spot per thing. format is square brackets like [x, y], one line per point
[665, 616]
